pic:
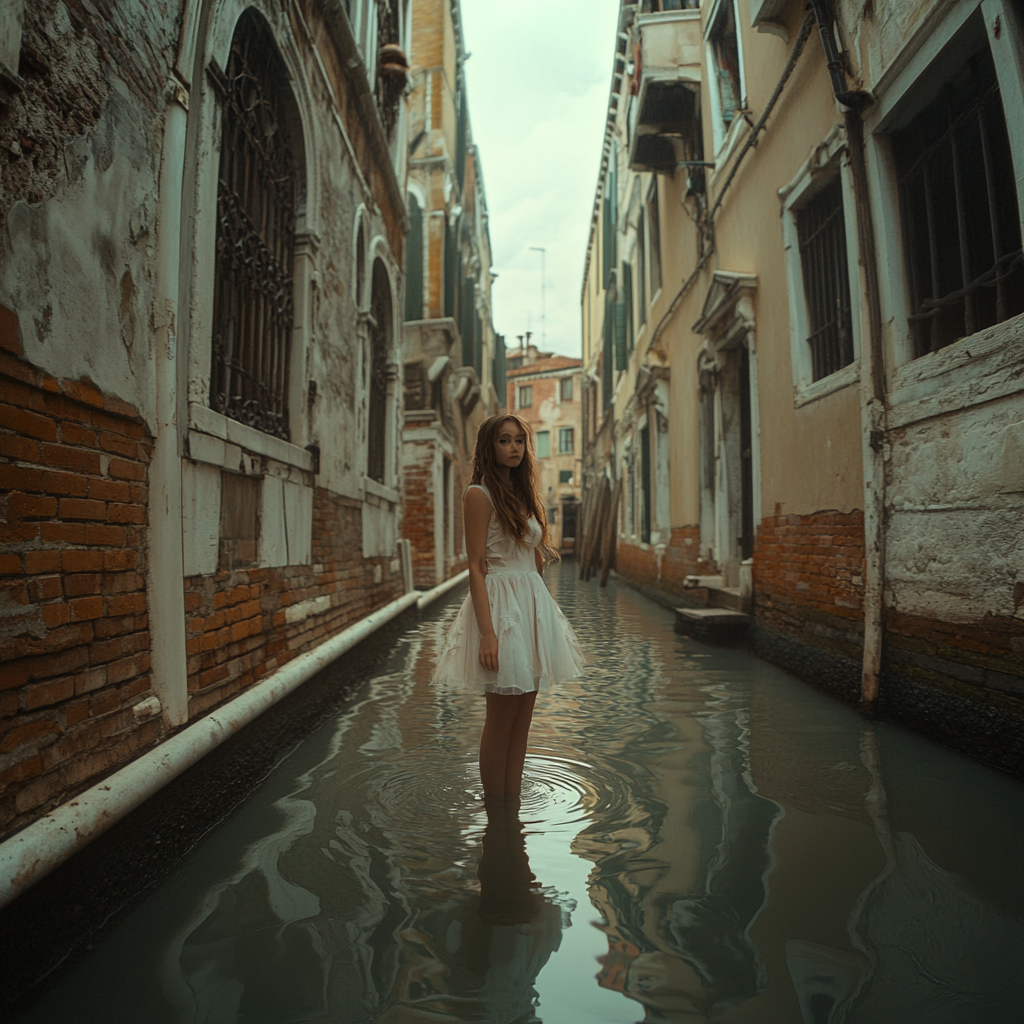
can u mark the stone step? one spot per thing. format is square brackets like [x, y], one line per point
[720, 626]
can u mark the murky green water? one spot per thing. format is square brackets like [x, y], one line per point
[701, 838]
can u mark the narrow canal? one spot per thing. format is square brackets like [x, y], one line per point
[701, 838]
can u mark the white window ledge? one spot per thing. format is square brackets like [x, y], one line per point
[205, 421]
[806, 393]
[380, 491]
[976, 369]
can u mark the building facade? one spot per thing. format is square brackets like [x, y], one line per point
[202, 362]
[544, 389]
[454, 361]
[803, 341]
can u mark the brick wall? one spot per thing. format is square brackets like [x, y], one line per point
[242, 625]
[74, 639]
[679, 559]
[418, 498]
[810, 569]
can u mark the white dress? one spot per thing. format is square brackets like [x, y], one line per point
[536, 645]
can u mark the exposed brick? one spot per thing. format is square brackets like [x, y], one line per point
[42, 561]
[38, 695]
[83, 391]
[82, 508]
[83, 561]
[86, 608]
[126, 513]
[109, 490]
[24, 421]
[122, 469]
[14, 446]
[114, 561]
[35, 731]
[105, 536]
[63, 457]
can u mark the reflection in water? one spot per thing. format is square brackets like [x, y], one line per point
[744, 851]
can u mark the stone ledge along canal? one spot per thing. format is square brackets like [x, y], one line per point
[701, 838]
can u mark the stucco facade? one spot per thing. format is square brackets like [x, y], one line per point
[806, 417]
[201, 402]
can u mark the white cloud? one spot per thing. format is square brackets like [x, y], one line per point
[538, 85]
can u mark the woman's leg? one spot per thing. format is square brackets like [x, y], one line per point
[517, 744]
[503, 743]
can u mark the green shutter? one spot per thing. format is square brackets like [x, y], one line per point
[620, 336]
[627, 298]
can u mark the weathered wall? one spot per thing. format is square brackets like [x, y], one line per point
[244, 624]
[74, 634]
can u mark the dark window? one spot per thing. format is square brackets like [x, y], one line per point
[380, 346]
[451, 269]
[611, 217]
[655, 232]
[641, 267]
[256, 203]
[498, 369]
[565, 389]
[566, 440]
[414, 263]
[645, 486]
[961, 228]
[822, 233]
[627, 301]
[565, 476]
[525, 396]
[608, 355]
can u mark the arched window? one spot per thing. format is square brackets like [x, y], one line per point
[256, 211]
[380, 346]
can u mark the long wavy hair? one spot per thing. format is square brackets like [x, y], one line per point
[518, 498]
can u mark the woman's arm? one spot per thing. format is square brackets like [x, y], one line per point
[539, 559]
[476, 510]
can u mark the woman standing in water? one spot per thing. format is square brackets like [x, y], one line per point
[510, 641]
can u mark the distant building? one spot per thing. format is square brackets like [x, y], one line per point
[544, 389]
[803, 341]
[454, 362]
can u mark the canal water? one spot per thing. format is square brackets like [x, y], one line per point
[701, 838]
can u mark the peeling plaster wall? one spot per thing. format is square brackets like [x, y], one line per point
[955, 544]
[78, 198]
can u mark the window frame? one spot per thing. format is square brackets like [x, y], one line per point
[565, 384]
[828, 161]
[720, 131]
[520, 390]
[569, 432]
[896, 103]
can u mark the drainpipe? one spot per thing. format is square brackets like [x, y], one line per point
[872, 370]
[165, 570]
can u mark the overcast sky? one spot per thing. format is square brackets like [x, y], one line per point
[538, 84]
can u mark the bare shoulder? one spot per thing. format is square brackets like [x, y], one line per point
[476, 502]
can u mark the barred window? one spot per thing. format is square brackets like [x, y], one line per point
[380, 373]
[566, 440]
[256, 209]
[822, 234]
[961, 228]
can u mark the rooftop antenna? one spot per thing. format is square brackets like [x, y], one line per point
[543, 317]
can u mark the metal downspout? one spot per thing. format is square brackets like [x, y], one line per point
[872, 370]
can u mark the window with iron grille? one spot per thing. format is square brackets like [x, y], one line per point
[961, 228]
[380, 346]
[256, 203]
[822, 234]
[566, 440]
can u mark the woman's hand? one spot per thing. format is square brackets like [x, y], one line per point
[489, 652]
